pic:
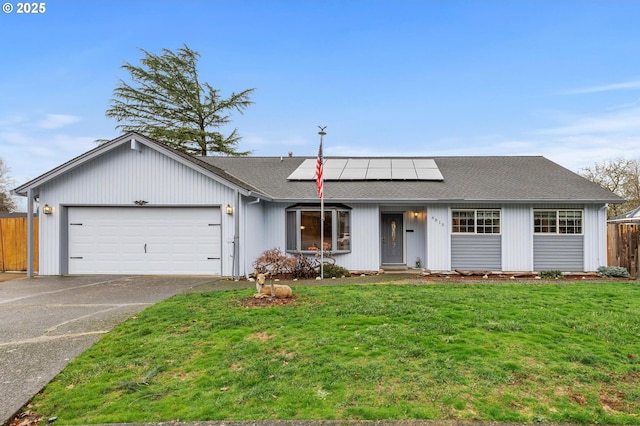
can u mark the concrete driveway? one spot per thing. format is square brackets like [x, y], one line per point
[47, 321]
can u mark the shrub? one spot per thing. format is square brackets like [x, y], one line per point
[335, 271]
[551, 274]
[275, 262]
[304, 268]
[613, 271]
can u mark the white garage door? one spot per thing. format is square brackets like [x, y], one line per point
[144, 240]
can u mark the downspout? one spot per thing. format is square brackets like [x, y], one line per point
[29, 233]
[256, 201]
[236, 239]
[604, 236]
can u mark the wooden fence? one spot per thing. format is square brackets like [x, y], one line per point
[13, 244]
[623, 243]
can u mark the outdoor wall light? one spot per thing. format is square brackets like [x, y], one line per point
[415, 214]
[229, 209]
[47, 209]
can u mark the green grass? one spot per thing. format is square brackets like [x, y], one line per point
[565, 352]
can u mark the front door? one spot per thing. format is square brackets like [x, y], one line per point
[392, 234]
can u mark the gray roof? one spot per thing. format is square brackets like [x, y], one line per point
[466, 179]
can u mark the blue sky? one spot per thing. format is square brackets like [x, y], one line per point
[420, 78]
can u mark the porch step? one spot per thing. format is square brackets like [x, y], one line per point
[400, 269]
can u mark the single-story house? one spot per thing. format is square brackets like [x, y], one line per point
[134, 206]
[632, 216]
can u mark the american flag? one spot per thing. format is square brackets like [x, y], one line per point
[319, 173]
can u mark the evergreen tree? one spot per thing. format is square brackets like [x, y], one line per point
[167, 102]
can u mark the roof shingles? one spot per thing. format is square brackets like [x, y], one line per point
[486, 179]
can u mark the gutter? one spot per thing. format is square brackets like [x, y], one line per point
[235, 268]
[422, 201]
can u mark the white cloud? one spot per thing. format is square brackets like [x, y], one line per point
[55, 121]
[579, 141]
[629, 85]
[612, 121]
[11, 120]
[29, 155]
[14, 138]
[268, 146]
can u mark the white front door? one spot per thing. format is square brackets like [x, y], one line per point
[144, 240]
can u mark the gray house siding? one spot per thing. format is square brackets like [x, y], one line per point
[438, 229]
[473, 252]
[595, 237]
[365, 239]
[253, 233]
[517, 238]
[558, 252]
[416, 236]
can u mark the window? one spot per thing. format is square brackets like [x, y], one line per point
[545, 222]
[463, 220]
[304, 229]
[480, 221]
[557, 221]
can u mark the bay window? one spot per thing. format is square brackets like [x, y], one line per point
[305, 229]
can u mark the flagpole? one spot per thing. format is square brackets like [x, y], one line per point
[321, 178]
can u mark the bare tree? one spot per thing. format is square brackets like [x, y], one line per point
[7, 204]
[620, 176]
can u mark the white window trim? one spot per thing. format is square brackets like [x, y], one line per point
[557, 211]
[475, 221]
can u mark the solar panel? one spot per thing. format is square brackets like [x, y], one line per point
[380, 163]
[335, 163]
[424, 163]
[429, 174]
[404, 174]
[378, 174]
[332, 174]
[401, 163]
[353, 174]
[370, 169]
[358, 163]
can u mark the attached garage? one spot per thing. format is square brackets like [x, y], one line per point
[144, 240]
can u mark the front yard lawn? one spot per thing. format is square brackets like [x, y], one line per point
[561, 352]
